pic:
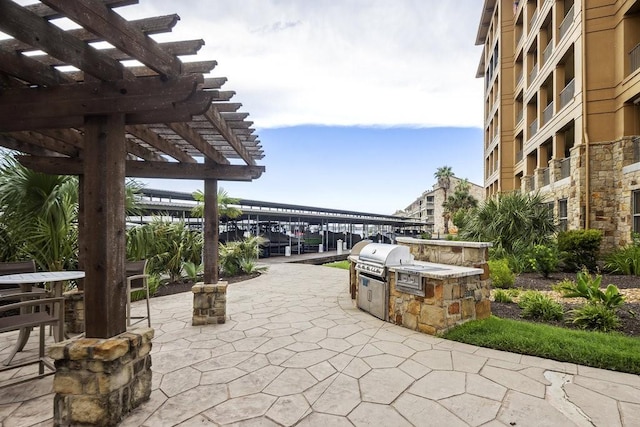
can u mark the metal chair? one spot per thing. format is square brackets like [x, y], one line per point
[137, 280]
[32, 310]
[16, 267]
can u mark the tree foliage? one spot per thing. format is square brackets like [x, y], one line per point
[225, 210]
[513, 222]
[444, 174]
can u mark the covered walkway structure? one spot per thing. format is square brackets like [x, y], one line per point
[295, 351]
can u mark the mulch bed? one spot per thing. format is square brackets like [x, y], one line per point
[629, 313]
[185, 286]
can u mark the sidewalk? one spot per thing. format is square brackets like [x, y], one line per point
[295, 351]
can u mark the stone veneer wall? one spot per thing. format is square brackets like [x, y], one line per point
[74, 311]
[209, 303]
[98, 381]
[614, 176]
[448, 301]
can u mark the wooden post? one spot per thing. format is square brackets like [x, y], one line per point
[81, 232]
[104, 226]
[210, 230]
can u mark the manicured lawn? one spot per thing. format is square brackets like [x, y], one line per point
[338, 264]
[608, 351]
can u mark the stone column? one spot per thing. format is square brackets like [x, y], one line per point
[209, 303]
[99, 381]
[74, 311]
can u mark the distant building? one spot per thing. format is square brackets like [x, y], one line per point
[428, 206]
[562, 108]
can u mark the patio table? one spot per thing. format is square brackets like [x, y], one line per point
[26, 280]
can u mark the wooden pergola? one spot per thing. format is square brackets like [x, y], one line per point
[104, 121]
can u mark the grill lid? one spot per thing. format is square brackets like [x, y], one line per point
[385, 254]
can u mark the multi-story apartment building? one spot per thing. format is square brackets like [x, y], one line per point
[428, 206]
[562, 114]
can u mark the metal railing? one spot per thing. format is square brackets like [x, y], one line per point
[533, 128]
[533, 18]
[533, 73]
[565, 167]
[548, 113]
[567, 93]
[547, 52]
[634, 58]
[566, 23]
[546, 177]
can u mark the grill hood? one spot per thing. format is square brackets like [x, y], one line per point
[384, 254]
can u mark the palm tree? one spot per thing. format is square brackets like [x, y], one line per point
[39, 215]
[513, 222]
[461, 200]
[443, 174]
[224, 202]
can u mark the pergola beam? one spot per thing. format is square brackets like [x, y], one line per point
[195, 139]
[147, 169]
[215, 118]
[147, 135]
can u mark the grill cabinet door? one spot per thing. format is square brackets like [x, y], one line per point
[372, 296]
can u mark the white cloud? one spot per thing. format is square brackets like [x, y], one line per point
[351, 62]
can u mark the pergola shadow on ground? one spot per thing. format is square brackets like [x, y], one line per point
[296, 351]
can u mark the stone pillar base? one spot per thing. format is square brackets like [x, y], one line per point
[99, 381]
[74, 311]
[209, 303]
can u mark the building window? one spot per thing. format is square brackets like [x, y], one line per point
[636, 211]
[562, 214]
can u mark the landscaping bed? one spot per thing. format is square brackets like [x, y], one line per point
[629, 312]
[185, 285]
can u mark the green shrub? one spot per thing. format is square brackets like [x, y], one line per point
[501, 295]
[579, 248]
[500, 273]
[588, 287]
[595, 317]
[536, 305]
[192, 270]
[240, 257]
[624, 261]
[544, 259]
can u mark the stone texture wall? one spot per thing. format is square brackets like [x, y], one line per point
[74, 311]
[209, 303]
[98, 381]
[450, 301]
[447, 303]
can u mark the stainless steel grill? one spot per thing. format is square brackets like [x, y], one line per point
[375, 258]
[372, 265]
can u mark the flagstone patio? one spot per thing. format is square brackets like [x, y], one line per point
[295, 351]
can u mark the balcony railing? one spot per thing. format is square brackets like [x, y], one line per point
[533, 73]
[566, 23]
[518, 156]
[636, 149]
[548, 113]
[547, 52]
[519, 116]
[634, 58]
[519, 78]
[533, 18]
[565, 167]
[533, 128]
[567, 93]
[546, 177]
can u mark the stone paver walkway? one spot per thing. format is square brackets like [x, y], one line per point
[295, 351]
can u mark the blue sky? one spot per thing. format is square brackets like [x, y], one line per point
[344, 93]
